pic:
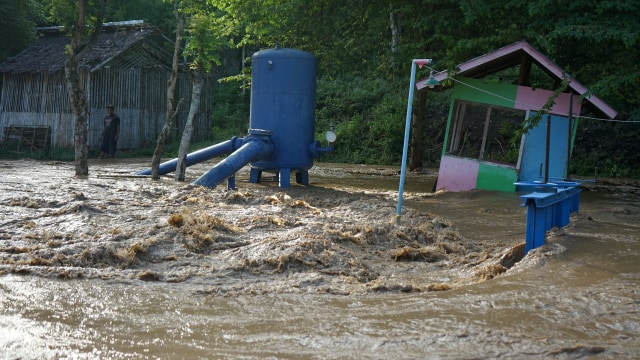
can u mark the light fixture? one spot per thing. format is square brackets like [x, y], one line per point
[432, 81]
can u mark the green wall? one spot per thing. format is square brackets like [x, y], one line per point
[496, 177]
[476, 90]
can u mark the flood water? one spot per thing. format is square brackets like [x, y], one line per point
[91, 268]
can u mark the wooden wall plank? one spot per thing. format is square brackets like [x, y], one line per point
[139, 96]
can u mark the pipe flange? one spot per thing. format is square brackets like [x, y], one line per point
[260, 132]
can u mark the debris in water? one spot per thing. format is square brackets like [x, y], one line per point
[258, 240]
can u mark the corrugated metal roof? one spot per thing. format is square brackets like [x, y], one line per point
[120, 45]
[512, 55]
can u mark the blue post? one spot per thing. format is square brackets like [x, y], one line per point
[302, 177]
[231, 182]
[284, 177]
[407, 128]
[539, 228]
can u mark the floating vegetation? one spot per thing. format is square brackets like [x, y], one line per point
[429, 254]
[148, 276]
[489, 272]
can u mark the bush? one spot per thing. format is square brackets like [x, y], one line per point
[367, 116]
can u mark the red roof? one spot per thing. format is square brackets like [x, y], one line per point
[512, 55]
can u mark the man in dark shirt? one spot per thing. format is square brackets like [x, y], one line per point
[110, 132]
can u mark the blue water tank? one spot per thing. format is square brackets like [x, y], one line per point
[283, 89]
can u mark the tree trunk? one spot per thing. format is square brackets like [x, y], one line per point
[76, 96]
[417, 125]
[394, 25]
[394, 20]
[171, 90]
[197, 81]
[162, 137]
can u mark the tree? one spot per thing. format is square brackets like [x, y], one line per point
[203, 46]
[597, 42]
[172, 109]
[75, 92]
[83, 19]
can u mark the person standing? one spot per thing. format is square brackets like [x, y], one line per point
[110, 132]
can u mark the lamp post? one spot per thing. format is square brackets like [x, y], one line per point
[431, 83]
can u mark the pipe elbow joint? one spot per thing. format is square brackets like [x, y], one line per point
[236, 143]
[263, 140]
[316, 149]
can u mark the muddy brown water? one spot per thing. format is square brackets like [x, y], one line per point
[119, 266]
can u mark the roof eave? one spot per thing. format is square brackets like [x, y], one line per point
[545, 63]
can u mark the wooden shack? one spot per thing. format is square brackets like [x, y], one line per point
[128, 66]
[493, 96]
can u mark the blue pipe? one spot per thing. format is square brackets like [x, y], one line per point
[199, 156]
[255, 147]
[316, 149]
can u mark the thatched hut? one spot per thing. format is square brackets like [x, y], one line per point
[126, 66]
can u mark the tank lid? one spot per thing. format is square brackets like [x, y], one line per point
[284, 52]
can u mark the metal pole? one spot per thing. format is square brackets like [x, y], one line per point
[407, 127]
[546, 160]
[569, 136]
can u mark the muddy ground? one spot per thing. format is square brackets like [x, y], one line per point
[256, 239]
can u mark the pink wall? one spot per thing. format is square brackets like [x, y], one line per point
[534, 99]
[457, 174]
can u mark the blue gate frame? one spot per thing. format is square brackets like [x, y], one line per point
[551, 204]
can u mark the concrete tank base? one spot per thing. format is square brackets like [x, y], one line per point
[283, 175]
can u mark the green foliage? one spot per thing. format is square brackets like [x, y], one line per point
[618, 158]
[362, 85]
[508, 139]
[362, 82]
[154, 12]
[18, 18]
[204, 44]
[230, 112]
[367, 116]
[62, 12]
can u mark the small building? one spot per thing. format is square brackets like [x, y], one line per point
[128, 65]
[492, 97]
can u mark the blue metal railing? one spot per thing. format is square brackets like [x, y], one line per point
[551, 204]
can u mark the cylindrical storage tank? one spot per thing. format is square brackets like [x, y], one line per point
[283, 90]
